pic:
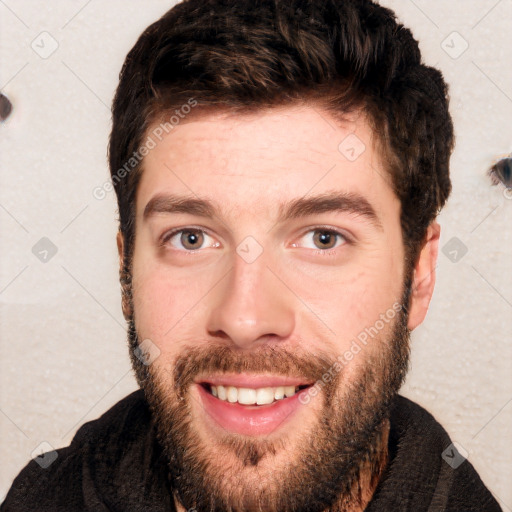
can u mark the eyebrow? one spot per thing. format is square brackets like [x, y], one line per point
[336, 202]
[179, 204]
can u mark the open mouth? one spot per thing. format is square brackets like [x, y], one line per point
[252, 396]
[250, 405]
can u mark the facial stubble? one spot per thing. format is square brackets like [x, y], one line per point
[323, 467]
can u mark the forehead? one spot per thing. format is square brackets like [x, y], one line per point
[255, 163]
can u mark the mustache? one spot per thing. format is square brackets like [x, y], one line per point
[197, 361]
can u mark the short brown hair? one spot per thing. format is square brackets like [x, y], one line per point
[243, 55]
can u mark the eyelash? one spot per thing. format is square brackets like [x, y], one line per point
[168, 235]
[326, 252]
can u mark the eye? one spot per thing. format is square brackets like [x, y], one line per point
[189, 239]
[323, 239]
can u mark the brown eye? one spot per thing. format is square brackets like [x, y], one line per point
[325, 239]
[192, 240]
[322, 240]
[186, 240]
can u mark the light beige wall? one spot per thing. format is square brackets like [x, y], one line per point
[63, 353]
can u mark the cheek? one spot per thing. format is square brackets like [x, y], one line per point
[164, 302]
[356, 296]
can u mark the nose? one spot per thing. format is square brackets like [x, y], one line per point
[251, 306]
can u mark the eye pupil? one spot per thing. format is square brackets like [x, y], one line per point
[191, 239]
[326, 239]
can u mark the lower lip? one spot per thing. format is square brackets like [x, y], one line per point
[250, 420]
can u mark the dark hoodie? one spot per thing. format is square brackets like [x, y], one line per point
[115, 464]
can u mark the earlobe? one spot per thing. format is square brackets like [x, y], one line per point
[124, 279]
[424, 277]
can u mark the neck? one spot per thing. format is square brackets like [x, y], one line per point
[370, 473]
[363, 489]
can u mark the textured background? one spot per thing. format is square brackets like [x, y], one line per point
[64, 359]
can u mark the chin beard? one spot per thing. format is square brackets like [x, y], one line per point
[320, 472]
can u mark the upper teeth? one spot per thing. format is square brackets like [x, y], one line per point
[249, 396]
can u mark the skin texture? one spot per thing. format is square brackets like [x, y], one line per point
[294, 300]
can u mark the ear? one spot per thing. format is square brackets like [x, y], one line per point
[124, 279]
[120, 248]
[424, 277]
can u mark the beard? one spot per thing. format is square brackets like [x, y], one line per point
[318, 472]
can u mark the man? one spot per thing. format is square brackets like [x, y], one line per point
[278, 167]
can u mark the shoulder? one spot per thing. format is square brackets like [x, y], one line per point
[128, 416]
[426, 472]
[410, 420]
[55, 481]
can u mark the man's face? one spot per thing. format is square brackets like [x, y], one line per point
[295, 263]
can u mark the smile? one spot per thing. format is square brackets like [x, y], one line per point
[250, 406]
[250, 396]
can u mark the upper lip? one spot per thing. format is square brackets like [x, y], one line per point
[252, 381]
